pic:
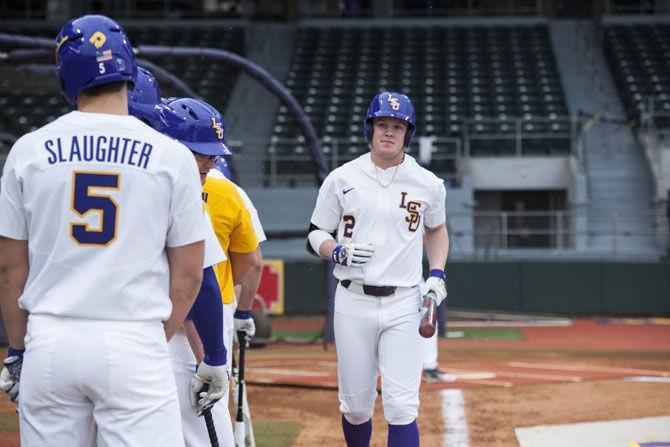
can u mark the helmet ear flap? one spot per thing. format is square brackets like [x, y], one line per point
[409, 134]
[368, 130]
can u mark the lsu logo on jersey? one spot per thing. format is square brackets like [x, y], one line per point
[218, 128]
[98, 39]
[393, 101]
[413, 217]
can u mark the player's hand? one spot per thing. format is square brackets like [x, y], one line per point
[354, 254]
[11, 375]
[208, 386]
[244, 322]
[437, 285]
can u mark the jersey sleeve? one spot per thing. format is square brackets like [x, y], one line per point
[243, 237]
[187, 214]
[255, 220]
[436, 213]
[13, 223]
[327, 211]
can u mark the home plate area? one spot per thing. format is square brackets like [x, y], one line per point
[642, 432]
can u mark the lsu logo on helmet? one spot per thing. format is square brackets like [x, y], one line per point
[395, 104]
[98, 39]
[218, 128]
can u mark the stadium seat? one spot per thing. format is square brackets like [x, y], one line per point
[638, 56]
[211, 80]
[489, 75]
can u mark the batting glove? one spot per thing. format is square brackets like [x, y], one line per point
[436, 284]
[244, 322]
[353, 254]
[11, 373]
[208, 386]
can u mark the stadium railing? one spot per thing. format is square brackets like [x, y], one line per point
[286, 161]
[508, 233]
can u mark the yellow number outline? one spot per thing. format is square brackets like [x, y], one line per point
[95, 210]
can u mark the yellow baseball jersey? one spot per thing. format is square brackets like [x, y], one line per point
[233, 227]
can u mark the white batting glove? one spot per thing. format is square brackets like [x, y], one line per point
[208, 386]
[244, 322]
[353, 254]
[436, 284]
[10, 376]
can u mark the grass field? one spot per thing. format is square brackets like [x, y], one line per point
[276, 433]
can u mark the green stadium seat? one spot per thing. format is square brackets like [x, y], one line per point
[211, 80]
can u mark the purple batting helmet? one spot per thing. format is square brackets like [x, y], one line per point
[394, 105]
[92, 50]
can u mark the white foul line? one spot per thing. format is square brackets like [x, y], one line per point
[453, 418]
[590, 368]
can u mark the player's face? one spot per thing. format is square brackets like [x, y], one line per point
[205, 163]
[388, 138]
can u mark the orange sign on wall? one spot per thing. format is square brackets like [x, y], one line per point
[271, 288]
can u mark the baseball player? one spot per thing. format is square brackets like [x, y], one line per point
[101, 254]
[203, 330]
[381, 205]
[238, 312]
[200, 126]
[235, 232]
[246, 290]
[238, 229]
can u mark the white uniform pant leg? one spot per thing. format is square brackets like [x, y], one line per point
[400, 356]
[429, 347]
[224, 425]
[113, 373]
[356, 338]
[183, 365]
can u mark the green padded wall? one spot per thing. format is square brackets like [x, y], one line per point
[567, 288]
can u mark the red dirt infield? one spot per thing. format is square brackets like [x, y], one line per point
[587, 360]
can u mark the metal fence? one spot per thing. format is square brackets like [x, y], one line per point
[287, 162]
[520, 136]
[488, 234]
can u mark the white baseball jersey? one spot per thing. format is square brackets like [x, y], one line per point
[213, 251]
[354, 201]
[100, 197]
[253, 212]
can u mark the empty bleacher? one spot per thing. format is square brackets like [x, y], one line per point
[484, 82]
[639, 57]
[37, 101]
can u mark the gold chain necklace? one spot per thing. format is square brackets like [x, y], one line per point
[395, 171]
[392, 177]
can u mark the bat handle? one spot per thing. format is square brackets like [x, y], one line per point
[211, 430]
[209, 422]
[428, 322]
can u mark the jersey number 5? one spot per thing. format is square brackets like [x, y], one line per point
[84, 202]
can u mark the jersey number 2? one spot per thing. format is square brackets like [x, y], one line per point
[84, 202]
[349, 223]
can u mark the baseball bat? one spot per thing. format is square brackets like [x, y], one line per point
[428, 315]
[239, 419]
[249, 438]
[209, 422]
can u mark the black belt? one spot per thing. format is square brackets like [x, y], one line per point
[372, 290]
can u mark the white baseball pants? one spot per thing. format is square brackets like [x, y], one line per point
[93, 382]
[378, 336]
